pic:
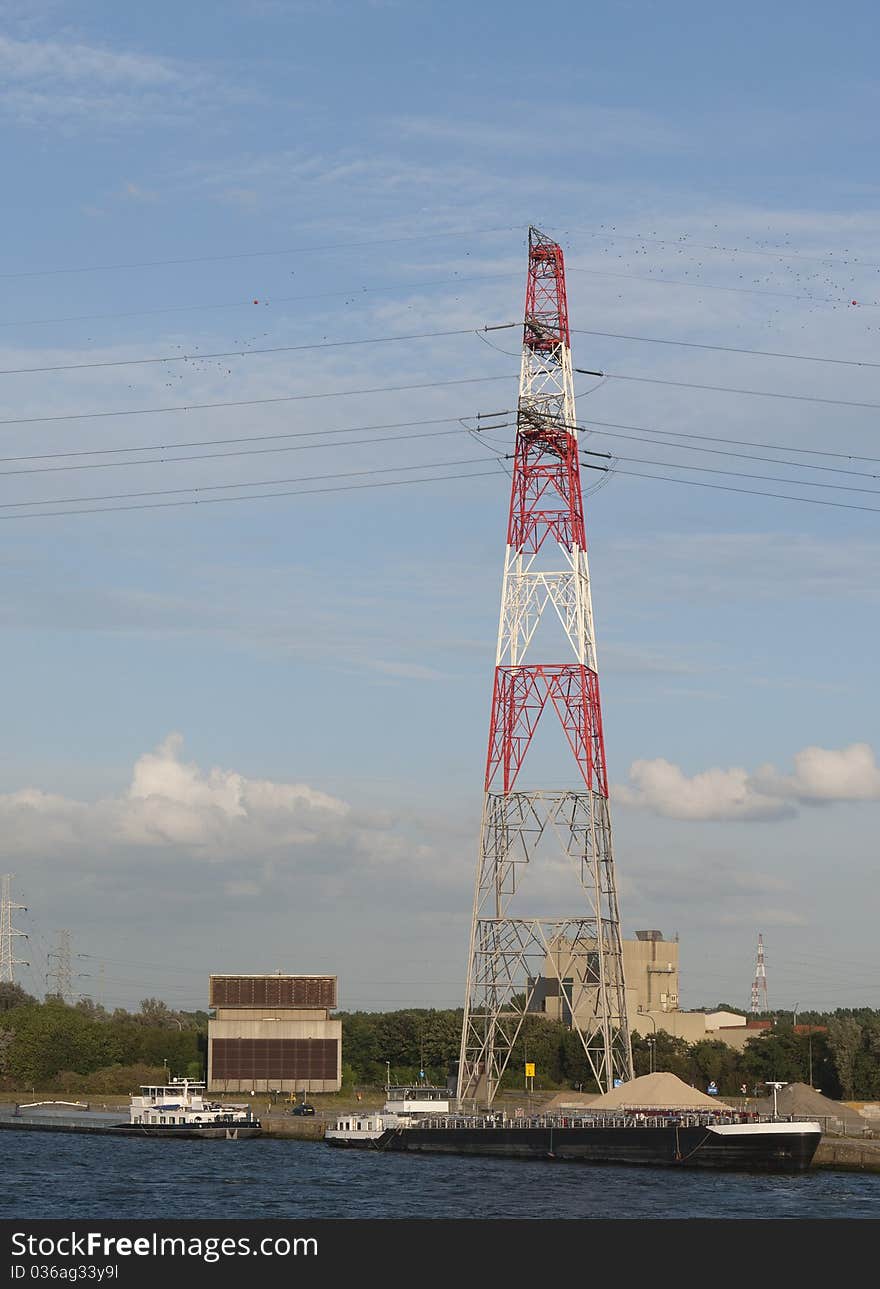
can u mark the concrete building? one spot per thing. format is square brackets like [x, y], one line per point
[650, 968]
[274, 1032]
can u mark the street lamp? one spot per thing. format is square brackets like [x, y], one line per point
[652, 1042]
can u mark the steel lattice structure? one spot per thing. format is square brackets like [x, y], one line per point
[511, 957]
[8, 960]
[759, 984]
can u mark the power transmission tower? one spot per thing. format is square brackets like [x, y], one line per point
[759, 984]
[569, 966]
[8, 960]
[62, 974]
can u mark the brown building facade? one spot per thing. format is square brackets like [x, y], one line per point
[274, 1032]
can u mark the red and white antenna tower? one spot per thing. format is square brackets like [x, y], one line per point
[574, 963]
[759, 984]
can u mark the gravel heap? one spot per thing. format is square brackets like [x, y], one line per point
[800, 1099]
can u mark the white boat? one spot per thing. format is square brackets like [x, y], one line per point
[182, 1108]
[405, 1104]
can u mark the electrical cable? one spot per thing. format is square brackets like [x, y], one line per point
[726, 349]
[247, 353]
[740, 474]
[749, 443]
[217, 456]
[254, 483]
[306, 248]
[721, 487]
[685, 242]
[269, 300]
[207, 501]
[726, 389]
[740, 290]
[746, 456]
[245, 402]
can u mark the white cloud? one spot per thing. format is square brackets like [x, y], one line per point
[665, 789]
[170, 803]
[25, 60]
[65, 83]
[827, 774]
[820, 775]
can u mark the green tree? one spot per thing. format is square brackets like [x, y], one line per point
[845, 1041]
[12, 995]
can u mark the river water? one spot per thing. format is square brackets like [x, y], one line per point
[75, 1177]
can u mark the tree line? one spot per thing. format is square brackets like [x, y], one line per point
[53, 1045]
[837, 1053]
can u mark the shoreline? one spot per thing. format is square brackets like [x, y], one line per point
[834, 1154]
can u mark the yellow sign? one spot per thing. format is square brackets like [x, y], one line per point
[530, 1070]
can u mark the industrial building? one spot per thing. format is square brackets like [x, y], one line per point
[650, 969]
[274, 1032]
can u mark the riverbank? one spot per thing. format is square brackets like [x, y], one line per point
[835, 1154]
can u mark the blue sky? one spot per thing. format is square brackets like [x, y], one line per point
[260, 725]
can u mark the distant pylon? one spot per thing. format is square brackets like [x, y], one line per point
[568, 966]
[759, 984]
[8, 960]
[62, 973]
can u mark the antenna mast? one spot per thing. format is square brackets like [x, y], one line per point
[520, 964]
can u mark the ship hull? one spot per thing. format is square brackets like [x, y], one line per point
[98, 1127]
[782, 1150]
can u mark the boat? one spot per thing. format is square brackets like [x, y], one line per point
[624, 1130]
[179, 1108]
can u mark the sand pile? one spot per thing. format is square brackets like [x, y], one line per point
[661, 1091]
[801, 1100]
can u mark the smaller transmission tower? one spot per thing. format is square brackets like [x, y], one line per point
[759, 984]
[61, 976]
[8, 960]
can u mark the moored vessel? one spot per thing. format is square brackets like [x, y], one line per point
[180, 1108]
[626, 1129]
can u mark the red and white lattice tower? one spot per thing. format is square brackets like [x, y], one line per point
[759, 984]
[569, 966]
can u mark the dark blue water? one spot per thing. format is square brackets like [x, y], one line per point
[58, 1176]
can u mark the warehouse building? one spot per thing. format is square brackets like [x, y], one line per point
[274, 1032]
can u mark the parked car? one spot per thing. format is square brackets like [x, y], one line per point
[303, 1108]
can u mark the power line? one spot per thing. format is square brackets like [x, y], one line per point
[685, 242]
[248, 438]
[244, 402]
[726, 389]
[207, 501]
[749, 443]
[746, 456]
[733, 474]
[305, 248]
[723, 487]
[241, 452]
[740, 290]
[392, 438]
[727, 349]
[247, 353]
[254, 483]
[267, 300]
